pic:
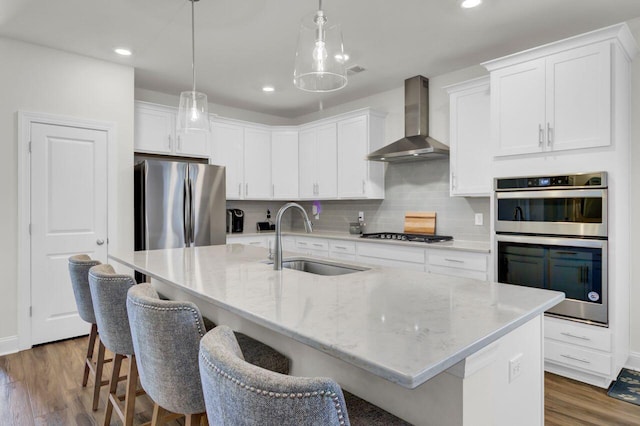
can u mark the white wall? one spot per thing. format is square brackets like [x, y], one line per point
[38, 79]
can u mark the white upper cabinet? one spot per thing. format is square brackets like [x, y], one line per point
[357, 137]
[470, 128]
[154, 129]
[552, 98]
[155, 132]
[317, 162]
[284, 164]
[228, 151]
[257, 164]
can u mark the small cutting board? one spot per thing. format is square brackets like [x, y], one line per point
[420, 223]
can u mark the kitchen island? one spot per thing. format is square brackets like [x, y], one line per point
[432, 349]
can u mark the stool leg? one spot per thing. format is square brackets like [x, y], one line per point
[195, 419]
[89, 358]
[130, 396]
[113, 385]
[98, 379]
[158, 414]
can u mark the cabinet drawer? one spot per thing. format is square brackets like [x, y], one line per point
[401, 253]
[577, 334]
[454, 272]
[342, 247]
[458, 260]
[311, 244]
[580, 358]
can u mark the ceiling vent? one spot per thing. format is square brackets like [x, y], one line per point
[355, 69]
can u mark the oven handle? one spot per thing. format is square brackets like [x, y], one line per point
[552, 241]
[557, 193]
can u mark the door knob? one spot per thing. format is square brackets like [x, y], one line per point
[99, 242]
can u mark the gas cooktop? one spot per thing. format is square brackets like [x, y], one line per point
[407, 237]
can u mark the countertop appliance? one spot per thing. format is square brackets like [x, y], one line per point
[400, 236]
[551, 232]
[178, 204]
[416, 144]
[235, 220]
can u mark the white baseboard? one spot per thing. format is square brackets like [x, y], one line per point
[633, 362]
[8, 345]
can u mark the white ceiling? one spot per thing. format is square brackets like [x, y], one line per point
[242, 45]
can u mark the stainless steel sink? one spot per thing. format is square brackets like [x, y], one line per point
[319, 267]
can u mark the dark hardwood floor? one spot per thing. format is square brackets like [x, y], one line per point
[41, 386]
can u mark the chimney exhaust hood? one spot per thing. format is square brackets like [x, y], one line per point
[416, 145]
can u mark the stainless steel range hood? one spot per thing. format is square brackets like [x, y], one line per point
[416, 145]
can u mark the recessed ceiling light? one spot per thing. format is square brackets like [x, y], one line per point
[468, 4]
[122, 51]
[268, 89]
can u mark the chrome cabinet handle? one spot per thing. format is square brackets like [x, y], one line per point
[239, 190]
[246, 189]
[575, 336]
[317, 245]
[340, 247]
[300, 243]
[179, 143]
[273, 189]
[549, 134]
[453, 181]
[363, 187]
[540, 135]
[585, 361]
[99, 242]
[169, 141]
[454, 260]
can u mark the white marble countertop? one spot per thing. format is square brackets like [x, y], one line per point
[404, 326]
[472, 246]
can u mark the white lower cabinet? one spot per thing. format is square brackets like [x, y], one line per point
[394, 256]
[458, 263]
[312, 246]
[249, 240]
[342, 250]
[579, 351]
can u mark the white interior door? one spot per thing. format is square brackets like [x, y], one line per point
[68, 216]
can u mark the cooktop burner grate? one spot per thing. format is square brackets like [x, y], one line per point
[407, 237]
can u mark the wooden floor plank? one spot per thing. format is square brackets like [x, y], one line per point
[42, 386]
[15, 405]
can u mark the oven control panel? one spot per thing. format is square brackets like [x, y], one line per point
[584, 180]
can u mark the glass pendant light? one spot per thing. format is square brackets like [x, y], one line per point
[193, 112]
[320, 55]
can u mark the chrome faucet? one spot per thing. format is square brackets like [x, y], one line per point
[277, 258]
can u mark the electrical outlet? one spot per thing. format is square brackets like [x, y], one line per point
[479, 219]
[361, 216]
[515, 367]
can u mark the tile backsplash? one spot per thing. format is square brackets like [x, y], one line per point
[415, 186]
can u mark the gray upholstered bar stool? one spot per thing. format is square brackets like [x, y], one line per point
[79, 266]
[239, 393]
[166, 337]
[109, 294]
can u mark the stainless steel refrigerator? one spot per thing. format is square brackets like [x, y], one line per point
[179, 204]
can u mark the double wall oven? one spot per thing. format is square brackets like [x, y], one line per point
[551, 232]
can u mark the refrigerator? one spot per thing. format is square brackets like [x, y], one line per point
[178, 204]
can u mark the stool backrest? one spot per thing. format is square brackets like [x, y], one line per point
[238, 393]
[79, 266]
[109, 294]
[166, 337]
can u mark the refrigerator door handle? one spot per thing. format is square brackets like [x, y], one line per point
[186, 210]
[192, 216]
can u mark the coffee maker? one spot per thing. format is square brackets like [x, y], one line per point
[235, 220]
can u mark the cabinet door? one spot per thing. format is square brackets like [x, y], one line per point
[228, 147]
[257, 164]
[579, 98]
[284, 164]
[196, 144]
[470, 141]
[352, 149]
[326, 162]
[154, 130]
[307, 163]
[518, 108]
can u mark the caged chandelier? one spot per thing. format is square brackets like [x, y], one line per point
[320, 57]
[193, 112]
